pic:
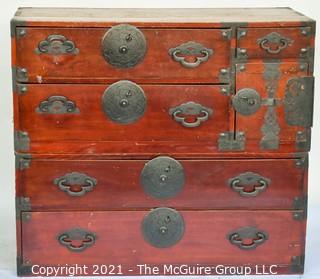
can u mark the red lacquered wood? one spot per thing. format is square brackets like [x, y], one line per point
[119, 239]
[253, 77]
[91, 124]
[119, 186]
[293, 50]
[90, 66]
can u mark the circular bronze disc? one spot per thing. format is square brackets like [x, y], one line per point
[163, 227]
[124, 46]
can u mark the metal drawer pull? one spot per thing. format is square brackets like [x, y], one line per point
[273, 43]
[194, 49]
[75, 184]
[77, 240]
[249, 184]
[56, 45]
[57, 105]
[247, 238]
[191, 110]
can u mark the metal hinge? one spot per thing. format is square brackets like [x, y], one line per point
[21, 141]
[23, 204]
[230, 141]
[297, 264]
[24, 267]
[23, 161]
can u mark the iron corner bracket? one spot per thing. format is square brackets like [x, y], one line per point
[22, 161]
[300, 203]
[14, 23]
[23, 204]
[24, 268]
[297, 264]
[21, 141]
[300, 215]
[303, 139]
[230, 141]
[302, 161]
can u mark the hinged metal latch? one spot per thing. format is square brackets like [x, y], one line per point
[229, 141]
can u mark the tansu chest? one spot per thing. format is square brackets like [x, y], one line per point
[168, 136]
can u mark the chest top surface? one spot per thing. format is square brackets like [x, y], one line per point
[164, 15]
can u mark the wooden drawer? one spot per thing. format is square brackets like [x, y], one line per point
[275, 42]
[84, 113]
[76, 55]
[188, 237]
[185, 184]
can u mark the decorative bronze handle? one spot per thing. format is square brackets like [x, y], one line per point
[77, 240]
[193, 110]
[190, 49]
[249, 184]
[273, 43]
[56, 45]
[57, 105]
[241, 236]
[75, 184]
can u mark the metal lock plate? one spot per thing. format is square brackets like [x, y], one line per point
[124, 46]
[124, 102]
[163, 227]
[247, 101]
[298, 101]
[162, 177]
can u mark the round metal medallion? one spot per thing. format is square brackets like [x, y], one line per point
[124, 46]
[162, 177]
[124, 102]
[247, 101]
[163, 227]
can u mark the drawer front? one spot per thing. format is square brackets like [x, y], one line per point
[275, 42]
[186, 237]
[276, 99]
[145, 55]
[162, 181]
[124, 112]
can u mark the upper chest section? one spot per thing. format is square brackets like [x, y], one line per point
[153, 46]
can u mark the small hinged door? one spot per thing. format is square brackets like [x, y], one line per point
[277, 100]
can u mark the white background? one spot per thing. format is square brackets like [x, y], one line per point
[7, 218]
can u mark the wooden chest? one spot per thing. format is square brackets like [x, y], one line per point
[167, 141]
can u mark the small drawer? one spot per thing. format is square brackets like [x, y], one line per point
[123, 112]
[275, 42]
[163, 236]
[185, 184]
[96, 55]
